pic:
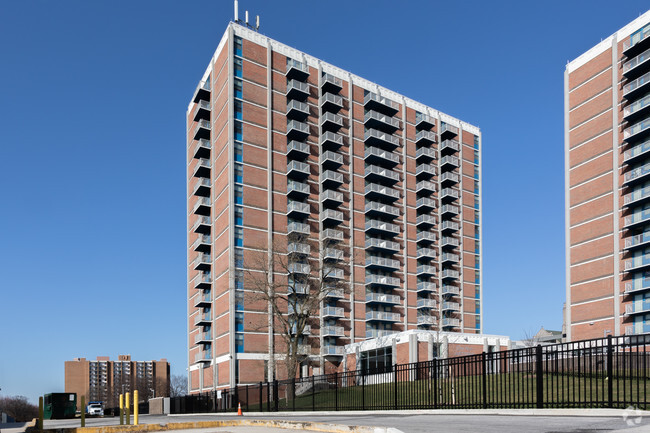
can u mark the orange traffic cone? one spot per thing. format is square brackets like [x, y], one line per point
[239, 410]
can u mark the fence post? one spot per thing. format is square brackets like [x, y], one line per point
[313, 393]
[395, 383]
[336, 391]
[363, 390]
[484, 378]
[610, 371]
[435, 383]
[235, 398]
[276, 395]
[539, 376]
[247, 398]
[261, 410]
[293, 394]
[268, 396]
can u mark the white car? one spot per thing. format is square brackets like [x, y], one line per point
[95, 410]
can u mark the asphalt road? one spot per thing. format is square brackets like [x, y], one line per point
[414, 423]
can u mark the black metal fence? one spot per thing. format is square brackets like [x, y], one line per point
[611, 372]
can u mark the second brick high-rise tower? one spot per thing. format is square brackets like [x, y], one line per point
[281, 143]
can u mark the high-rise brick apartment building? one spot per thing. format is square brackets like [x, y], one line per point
[607, 164]
[281, 143]
[104, 380]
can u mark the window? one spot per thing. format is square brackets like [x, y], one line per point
[476, 157]
[239, 215]
[239, 236]
[238, 88]
[239, 173]
[239, 151]
[377, 361]
[238, 67]
[238, 109]
[239, 258]
[239, 131]
[476, 142]
[239, 195]
[238, 46]
[239, 343]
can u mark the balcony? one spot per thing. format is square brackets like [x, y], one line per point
[450, 306]
[639, 328]
[448, 290]
[334, 293]
[202, 130]
[382, 262]
[449, 209]
[425, 137]
[202, 243]
[331, 102]
[202, 168]
[375, 155]
[331, 140]
[203, 356]
[633, 153]
[374, 119]
[375, 190]
[425, 236]
[332, 235]
[381, 209]
[449, 193]
[426, 303]
[424, 121]
[449, 161]
[425, 270]
[331, 121]
[298, 248]
[297, 190]
[203, 300]
[332, 254]
[333, 312]
[331, 159]
[303, 349]
[202, 92]
[425, 154]
[425, 287]
[203, 281]
[637, 285]
[306, 329]
[449, 178]
[448, 130]
[638, 41]
[637, 109]
[449, 257]
[383, 298]
[449, 225]
[636, 65]
[380, 103]
[297, 209]
[374, 172]
[637, 307]
[295, 288]
[202, 187]
[637, 240]
[382, 245]
[297, 110]
[450, 273]
[378, 333]
[448, 241]
[425, 320]
[450, 322]
[202, 149]
[425, 204]
[201, 262]
[425, 186]
[298, 228]
[202, 206]
[384, 316]
[333, 273]
[425, 253]
[330, 83]
[636, 263]
[634, 88]
[297, 90]
[331, 198]
[382, 227]
[297, 169]
[297, 70]
[636, 218]
[203, 338]
[297, 130]
[449, 146]
[203, 319]
[331, 350]
[382, 280]
[203, 109]
[425, 220]
[299, 268]
[425, 171]
[332, 179]
[332, 331]
[637, 130]
[202, 225]
[385, 140]
[637, 174]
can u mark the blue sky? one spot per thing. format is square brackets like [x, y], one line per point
[92, 163]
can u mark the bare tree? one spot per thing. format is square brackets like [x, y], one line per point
[294, 280]
[19, 408]
[177, 385]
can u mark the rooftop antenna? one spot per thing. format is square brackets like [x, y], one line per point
[257, 23]
[247, 19]
[236, 10]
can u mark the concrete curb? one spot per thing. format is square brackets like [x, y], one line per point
[293, 425]
[608, 413]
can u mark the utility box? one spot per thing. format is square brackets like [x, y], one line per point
[59, 405]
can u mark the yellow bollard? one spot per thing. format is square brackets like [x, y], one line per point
[121, 409]
[127, 408]
[135, 407]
